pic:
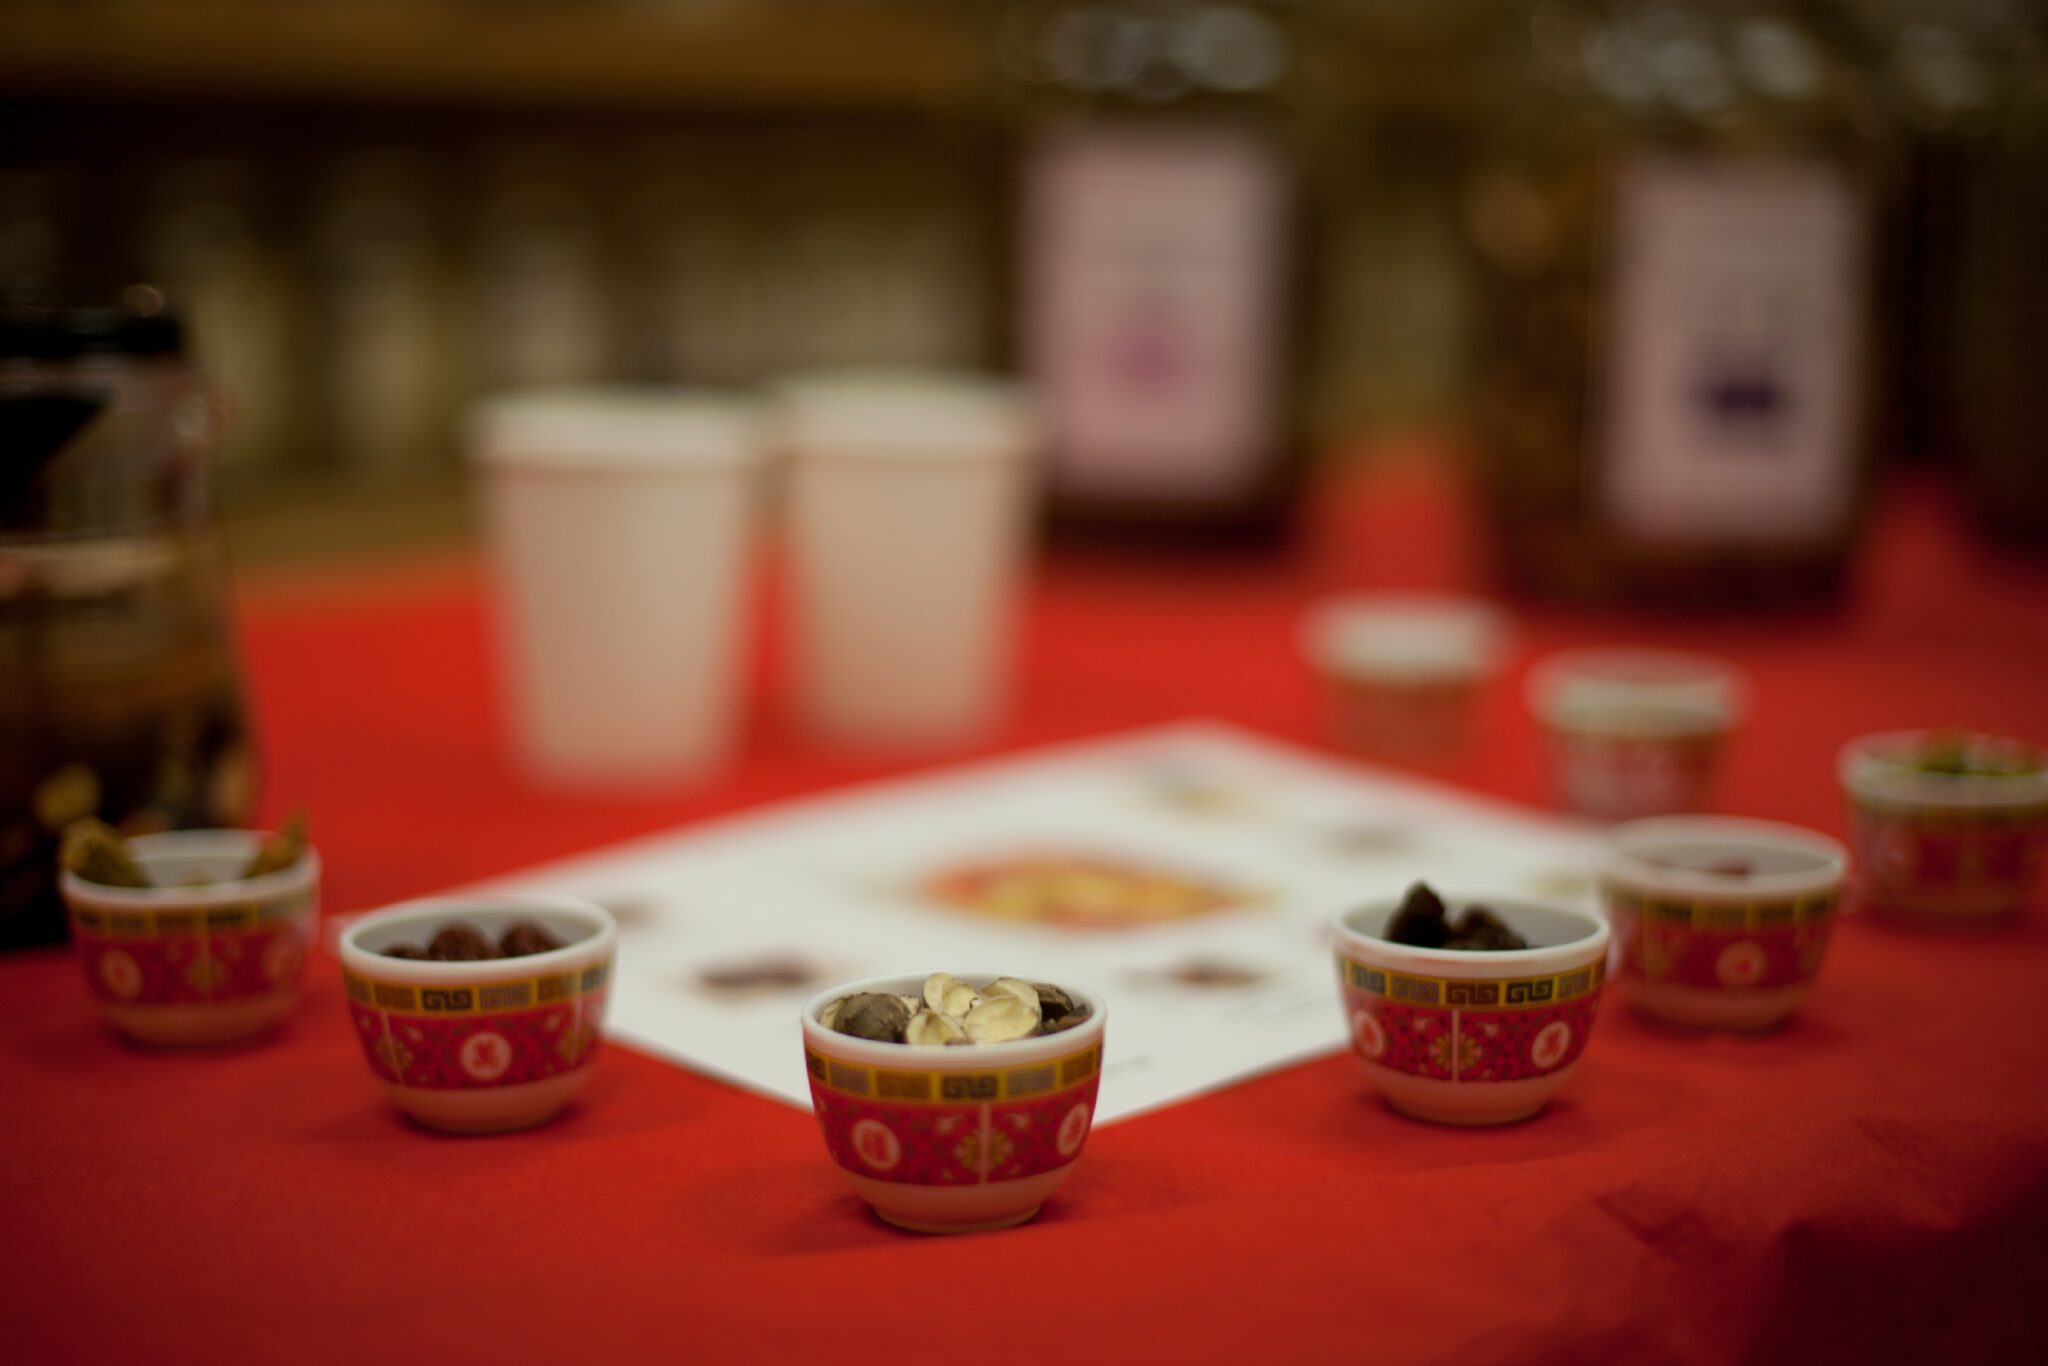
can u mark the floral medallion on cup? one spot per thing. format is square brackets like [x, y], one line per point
[1444, 1029]
[147, 957]
[1928, 851]
[1756, 945]
[954, 1128]
[482, 1036]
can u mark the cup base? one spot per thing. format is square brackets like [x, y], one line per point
[957, 1209]
[499, 1110]
[1709, 1008]
[989, 1226]
[1473, 1104]
[199, 1023]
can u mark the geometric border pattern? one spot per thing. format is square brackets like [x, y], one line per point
[1703, 915]
[1514, 994]
[486, 999]
[953, 1088]
[150, 924]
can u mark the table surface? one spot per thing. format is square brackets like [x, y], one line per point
[1871, 1179]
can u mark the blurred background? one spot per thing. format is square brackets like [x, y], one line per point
[371, 212]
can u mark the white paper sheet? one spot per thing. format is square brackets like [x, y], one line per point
[835, 885]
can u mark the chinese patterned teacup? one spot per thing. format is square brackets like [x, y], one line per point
[206, 956]
[953, 1139]
[1463, 1037]
[1634, 733]
[1722, 921]
[1962, 847]
[480, 1047]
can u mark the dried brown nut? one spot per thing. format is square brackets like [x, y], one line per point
[998, 1019]
[281, 850]
[1053, 1002]
[875, 1015]
[93, 852]
[1078, 1015]
[930, 1027]
[523, 938]
[1730, 867]
[1481, 931]
[413, 951]
[1420, 921]
[460, 943]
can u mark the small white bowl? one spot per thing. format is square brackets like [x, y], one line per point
[178, 965]
[1459, 1037]
[1635, 732]
[480, 1047]
[1712, 949]
[953, 1139]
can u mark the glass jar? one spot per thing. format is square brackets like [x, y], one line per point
[121, 695]
[1159, 262]
[2004, 426]
[1670, 217]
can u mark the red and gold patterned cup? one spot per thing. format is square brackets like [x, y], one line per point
[480, 1047]
[1722, 922]
[1471, 1038]
[1404, 671]
[196, 964]
[953, 1139]
[1943, 846]
[1633, 733]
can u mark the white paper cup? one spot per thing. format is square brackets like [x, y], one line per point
[620, 519]
[909, 493]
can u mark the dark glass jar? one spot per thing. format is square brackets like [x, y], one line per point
[2004, 423]
[1670, 217]
[1159, 277]
[119, 693]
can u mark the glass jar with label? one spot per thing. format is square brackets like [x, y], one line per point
[1158, 281]
[1671, 220]
[2004, 429]
[122, 697]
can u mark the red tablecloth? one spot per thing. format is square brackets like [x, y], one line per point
[1870, 1181]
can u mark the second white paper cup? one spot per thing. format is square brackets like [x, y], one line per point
[909, 498]
[621, 523]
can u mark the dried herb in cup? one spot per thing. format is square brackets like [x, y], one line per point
[1423, 922]
[954, 1012]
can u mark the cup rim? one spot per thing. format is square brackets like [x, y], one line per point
[936, 417]
[1700, 693]
[1865, 773]
[304, 873]
[1448, 635]
[1624, 861]
[949, 1057]
[613, 429]
[1464, 963]
[370, 963]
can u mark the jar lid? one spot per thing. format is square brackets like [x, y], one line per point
[66, 318]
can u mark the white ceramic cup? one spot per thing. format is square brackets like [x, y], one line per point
[621, 523]
[943, 1139]
[909, 498]
[486, 1045]
[1460, 1037]
[1403, 670]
